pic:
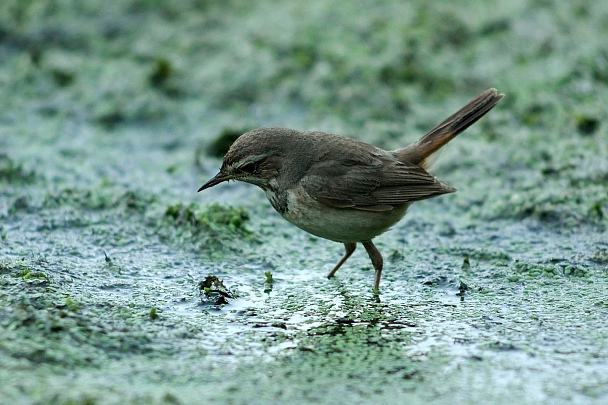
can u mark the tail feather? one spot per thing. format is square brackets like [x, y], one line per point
[423, 152]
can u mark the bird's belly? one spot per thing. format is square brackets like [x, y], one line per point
[338, 224]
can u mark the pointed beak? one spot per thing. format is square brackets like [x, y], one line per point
[217, 179]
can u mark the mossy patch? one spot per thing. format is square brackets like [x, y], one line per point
[214, 217]
[42, 326]
[212, 228]
[223, 141]
[99, 198]
[539, 270]
[13, 172]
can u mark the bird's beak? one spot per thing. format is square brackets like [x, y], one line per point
[217, 179]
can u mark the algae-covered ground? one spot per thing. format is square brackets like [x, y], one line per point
[112, 114]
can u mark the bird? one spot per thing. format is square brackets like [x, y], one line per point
[343, 189]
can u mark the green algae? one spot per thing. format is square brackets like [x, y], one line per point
[12, 172]
[43, 327]
[212, 228]
[208, 218]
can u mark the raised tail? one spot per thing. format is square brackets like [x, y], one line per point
[421, 152]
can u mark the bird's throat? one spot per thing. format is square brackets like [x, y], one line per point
[278, 201]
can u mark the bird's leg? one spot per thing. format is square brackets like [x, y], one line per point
[376, 258]
[350, 248]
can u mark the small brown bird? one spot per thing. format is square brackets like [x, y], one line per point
[341, 189]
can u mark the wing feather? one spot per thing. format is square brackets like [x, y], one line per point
[372, 180]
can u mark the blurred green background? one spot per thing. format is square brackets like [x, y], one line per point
[112, 114]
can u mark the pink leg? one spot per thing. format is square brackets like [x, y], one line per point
[376, 258]
[350, 248]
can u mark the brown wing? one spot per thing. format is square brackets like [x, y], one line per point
[373, 181]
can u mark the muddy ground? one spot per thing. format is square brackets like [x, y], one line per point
[112, 114]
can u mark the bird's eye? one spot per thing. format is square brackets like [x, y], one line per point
[249, 168]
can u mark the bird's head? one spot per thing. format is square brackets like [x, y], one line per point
[261, 157]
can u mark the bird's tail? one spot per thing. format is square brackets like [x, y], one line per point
[424, 152]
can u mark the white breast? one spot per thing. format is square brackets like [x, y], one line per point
[338, 224]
